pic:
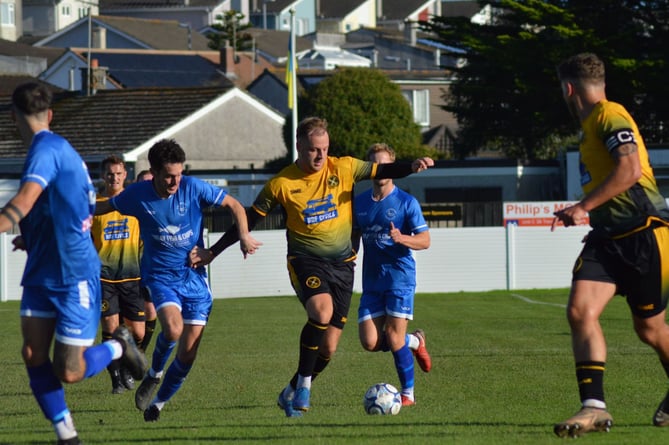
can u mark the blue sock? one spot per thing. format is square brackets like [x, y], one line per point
[97, 358]
[48, 391]
[404, 365]
[162, 352]
[174, 378]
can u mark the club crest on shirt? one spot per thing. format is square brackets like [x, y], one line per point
[313, 282]
[183, 208]
[333, 181]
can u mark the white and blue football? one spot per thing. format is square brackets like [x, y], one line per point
[382, 398]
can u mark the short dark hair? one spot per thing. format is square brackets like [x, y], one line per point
[584, 67]
[142, 174]
[309, 126]
[111, 160]
[166, 151]
[31, 98]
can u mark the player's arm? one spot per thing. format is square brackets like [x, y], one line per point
[19, 206]
[202, 257]
[626, 172]
[397, 170]
[418, 241]
[102, 207]
[247, 243]
[356, 234]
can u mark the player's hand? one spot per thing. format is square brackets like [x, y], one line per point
[199, 257]
[421, 164]
[18, 243]
[570, 216]
[395, 234]
[248, 245]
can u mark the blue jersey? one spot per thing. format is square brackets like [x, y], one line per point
[169, 227]
[387, 265]
[56, 231]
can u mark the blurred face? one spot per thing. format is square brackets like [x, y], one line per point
[166, 181]
[114, 177]
[569, 98]
[381, 157]
[312, 158]
[145, 177]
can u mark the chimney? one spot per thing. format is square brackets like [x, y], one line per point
[99, 37]
[98, 77]
[228, 60]
[409, 33]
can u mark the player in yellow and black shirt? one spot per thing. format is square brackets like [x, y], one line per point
[626, 253]
[116, 238]
[316, 193]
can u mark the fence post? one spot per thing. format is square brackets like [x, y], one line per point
[4, 296]
[511, 256]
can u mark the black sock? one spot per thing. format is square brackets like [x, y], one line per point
[149, 328]
[310, 340]
[590, 376]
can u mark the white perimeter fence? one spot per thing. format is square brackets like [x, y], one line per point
[459, 259]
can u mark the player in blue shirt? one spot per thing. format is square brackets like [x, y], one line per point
[61, 279]
[169, 211]
[391, 224]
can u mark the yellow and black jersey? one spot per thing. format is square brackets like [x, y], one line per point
[605, 129]
[116, 238]
[318, 206]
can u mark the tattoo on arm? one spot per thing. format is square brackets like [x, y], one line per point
[625, 150]
[17, 214]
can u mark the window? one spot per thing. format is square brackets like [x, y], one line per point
[420, 105]
[7, 14]
[65, 10]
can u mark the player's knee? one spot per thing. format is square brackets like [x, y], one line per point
[368, 345]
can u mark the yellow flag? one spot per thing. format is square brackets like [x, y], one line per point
[290, 67]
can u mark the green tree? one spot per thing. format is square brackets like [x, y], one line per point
[364, 107]
[230, 29]
[507, 95]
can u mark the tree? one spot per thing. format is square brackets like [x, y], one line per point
[507, 95]
[364, 107]
[230, 29]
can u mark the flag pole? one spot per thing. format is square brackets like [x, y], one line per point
[293, 80]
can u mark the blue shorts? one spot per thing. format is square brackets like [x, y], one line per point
[192, 297]
[75, 307]
[396, 303]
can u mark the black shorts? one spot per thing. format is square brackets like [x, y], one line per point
[637, 264]
[311, 276]
[146, 295]
[123, 298]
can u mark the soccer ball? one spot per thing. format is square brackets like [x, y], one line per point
[382, 398]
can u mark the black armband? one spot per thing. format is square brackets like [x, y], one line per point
[394, 170]
[9, 216]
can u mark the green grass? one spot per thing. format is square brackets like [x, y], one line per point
[502, 374]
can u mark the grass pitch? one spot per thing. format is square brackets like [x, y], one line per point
[502, 374]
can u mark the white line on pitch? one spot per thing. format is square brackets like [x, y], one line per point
[528, 300]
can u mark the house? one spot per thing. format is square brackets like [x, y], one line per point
[124, 32]
[197, 14]
[345, 15]
[425, 92]
[41, 18]
[135, 68]
[395, 13]
[11, 19]
[219, 128]
[19, 58]
[275, 15]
